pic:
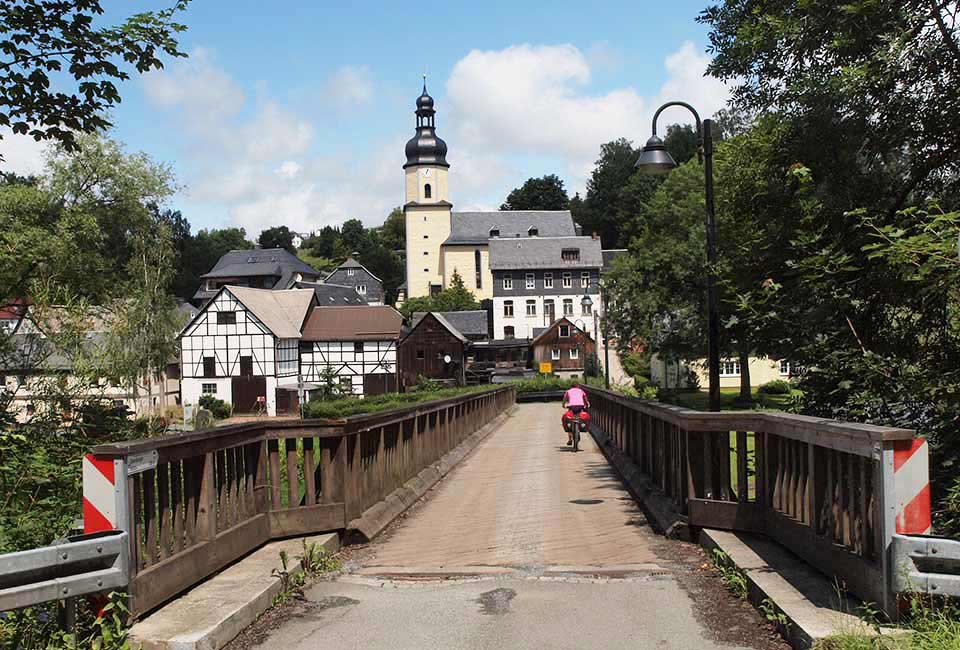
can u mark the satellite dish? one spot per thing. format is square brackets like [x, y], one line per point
[446, 358]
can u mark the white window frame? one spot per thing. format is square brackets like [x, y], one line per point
[568, 302]
[584, 279]
[208, 389]
[567, 280]
[351, 272]
[585, 310]
[784, 368]
[530, 281]
[548, 280]
[574, 353]
[555, 354]
[564, 331]
[531, 309]
[730, 368]
[508, 282]
[362, 289]
[508, 309]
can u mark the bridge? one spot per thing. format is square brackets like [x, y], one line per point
[474, 525]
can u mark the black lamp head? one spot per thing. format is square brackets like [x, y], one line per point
[655, 159]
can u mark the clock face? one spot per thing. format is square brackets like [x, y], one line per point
[426, 172]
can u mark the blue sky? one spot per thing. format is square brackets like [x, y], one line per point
[296, 112]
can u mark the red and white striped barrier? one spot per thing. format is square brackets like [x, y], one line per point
[101, 498]
[911, 480]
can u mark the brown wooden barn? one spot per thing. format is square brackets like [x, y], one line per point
[564, 346]
[434, 349]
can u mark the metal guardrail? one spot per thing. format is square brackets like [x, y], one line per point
[926, 564]
[81, 565]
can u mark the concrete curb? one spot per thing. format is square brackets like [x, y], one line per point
[661, 511]
[213, 613]
[377, 517]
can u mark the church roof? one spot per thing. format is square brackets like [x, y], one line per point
[475, 227]
[426, 147]
[544, 253]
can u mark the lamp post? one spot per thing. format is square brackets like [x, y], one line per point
[587, 303]
[657, 160]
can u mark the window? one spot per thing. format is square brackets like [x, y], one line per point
[421, 354]
[426, 270]
[531, 308]
[574, 353]
[530, 281]
[587, 310]
[508, 309]
[208, 389]
[426, 252]
[784, 367]
[476, 267]
[548, 280]
[211, 285]
[494, 232]
[729, 368]
[533, 232]
[346, 384]
[358, 347]
[548, 309]
[209, 367]
[568, 306]
[567, 281]
[31, 409]
[508, 282]
[427, 191]
[564, 331]
[585, 279]
[508, 332]
[226, 318]
[570, 254]
[555, 354]
[246, 366]
[351, 272]
[306, 347]
[426, 236]
[362, 289]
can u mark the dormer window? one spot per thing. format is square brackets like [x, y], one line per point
[494, 232]
[533, 232]
[351, 272]
[570, 254]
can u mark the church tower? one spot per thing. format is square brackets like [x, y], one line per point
[426, 207]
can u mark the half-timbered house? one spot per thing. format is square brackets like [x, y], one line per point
[358, 343]
[242, 344]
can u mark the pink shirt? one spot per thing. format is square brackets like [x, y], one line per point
[575, 397]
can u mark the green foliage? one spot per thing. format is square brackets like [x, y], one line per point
[598, 211]
[425, 384]
[932, 623]
[348, 406]
[543, 383]
[217, 407]
[733, 578]
[67, 41]
[277, 237]
[776, 387]
[37, 628]
[455, 297]
[546, 193]
[316, 560]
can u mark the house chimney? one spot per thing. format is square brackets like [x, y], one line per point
[594, 235]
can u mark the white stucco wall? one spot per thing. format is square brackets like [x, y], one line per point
[762, 370]
[524, 325]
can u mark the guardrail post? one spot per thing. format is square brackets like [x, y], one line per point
[108, 502]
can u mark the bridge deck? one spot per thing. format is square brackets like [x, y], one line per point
[556, 555]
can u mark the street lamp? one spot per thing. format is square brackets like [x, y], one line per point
[656, 159]
[587, 303]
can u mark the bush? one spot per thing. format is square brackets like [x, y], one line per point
[775, 387]
[543, 383]
[425, 384]
[220, 409]
[348, 406]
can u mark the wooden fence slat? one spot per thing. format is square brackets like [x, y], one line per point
[164, 519]
[293, 481]
[309, 473]
[150, 517]
[177, 501]
[743, 491]
[273, 451]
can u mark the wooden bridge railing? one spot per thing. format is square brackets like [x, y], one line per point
[824, 489]
[193, 503]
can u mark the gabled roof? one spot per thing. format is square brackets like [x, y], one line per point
[351, 263]
[443, 322]
[258, 261]
[471, 323]
[475, 227]
[353, 323]
[283, 312]
[544, 253]
[333, 295]
[557, 323]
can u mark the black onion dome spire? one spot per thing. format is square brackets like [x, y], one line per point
[425, 148]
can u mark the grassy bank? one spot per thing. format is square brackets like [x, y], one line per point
[343, 407]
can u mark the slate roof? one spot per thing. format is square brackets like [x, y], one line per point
[469, 323]
[257, 262]
[351, 263]
[283, 312]
[475, 227]
[35, 352]
[609, 256]
[330, 295]
[353, 323]
[443, 322]
[544, 253]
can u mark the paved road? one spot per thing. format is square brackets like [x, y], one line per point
[525, 545]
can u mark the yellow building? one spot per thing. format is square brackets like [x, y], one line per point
[441, 242]
[681, 374]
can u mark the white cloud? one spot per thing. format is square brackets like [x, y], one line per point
[198, 85]
[349, 87]
[21, 154]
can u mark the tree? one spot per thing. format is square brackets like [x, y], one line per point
[393, 233]
[455, 297]
[42, 37]
[277, 237]
[682, 142]
[545, 193]
[599, 210]
[354, 236]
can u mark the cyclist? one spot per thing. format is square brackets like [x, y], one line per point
[576, 400]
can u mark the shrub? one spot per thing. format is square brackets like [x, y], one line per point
[347, 406]
[220, 409]
[543, 383]
[775, 387]
[425, 384]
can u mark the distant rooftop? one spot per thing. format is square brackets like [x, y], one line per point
[478, 227]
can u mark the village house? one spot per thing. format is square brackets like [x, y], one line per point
[358, 344]
[471, 323]
[562, 349]
[694, 373]
[243, 345]
[433, 349]
[355, 275]
[259, 268]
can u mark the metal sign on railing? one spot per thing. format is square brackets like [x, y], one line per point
[80, 565]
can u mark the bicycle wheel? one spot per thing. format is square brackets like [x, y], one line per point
[576, 435]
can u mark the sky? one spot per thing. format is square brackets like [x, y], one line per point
[296, 112]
